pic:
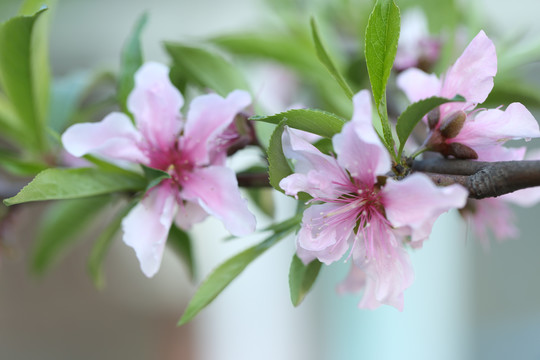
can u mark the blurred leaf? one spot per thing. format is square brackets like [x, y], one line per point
[314, 121]
[507, 91]
[414, 113]
[12, 163]
[301, 278]
[278, 166]
[205, 69]
[102, 245]
[180, 242]
[56, 184]
[382, 35]
[131, 61]
[62, 225]
[327, 61]
[324, 145]
[222, 276]
[24, 74]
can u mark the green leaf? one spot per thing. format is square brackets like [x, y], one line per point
[11, 163]
[24, 75]
[278, 166]
[102, 245]
[56, 184]
[131, 61]
[327, 61]
[221, 277]
[63, 223]
[205, 69]
[154, 176]
[314, 121]
[180, 242]
[414, 113]
[382, 35]
[301, 278]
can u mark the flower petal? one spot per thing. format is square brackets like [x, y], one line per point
[189, 213]
[155, 103]
[114, 137]
[416, 202]
[215, 188]
[499, 153]
[321, 236]
[315, 173]
[472, 74]
[358, 147]
[418, 85]
[147, 226]
[209, 116]
[494, 126]
[385, 279]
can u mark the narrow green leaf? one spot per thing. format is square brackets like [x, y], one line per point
[382, 34]
[13, 164]
[131, 60]
[314, 121]
[327, 61]
[278, 166]
[414, 113]
[205, 69]
[23, 80]
[301, 278]
[62, 225]
[154, 176]
[180, 242]
[101, 247]
[221, 277]
[55, 184]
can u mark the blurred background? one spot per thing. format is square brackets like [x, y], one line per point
[465, 303]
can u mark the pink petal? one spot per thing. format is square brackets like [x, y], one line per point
[147, 226]
[189, 213]
[208, 117]
[155, 103]
[215, 188]
[114, 137]
[354, 282]
[315, 173]
[386, 279]
[494, 127]
[472, 74]
[525, 197]
[322, 238]
[416, 202]
[499, 153]
[358, 137]
[418, 85]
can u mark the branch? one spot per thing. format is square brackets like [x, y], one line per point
[482, 179]
[253, 180]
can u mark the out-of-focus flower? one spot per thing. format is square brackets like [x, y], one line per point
[356, 205]
[416, 47]
[495, 214]
[192, 152]
[456, 129]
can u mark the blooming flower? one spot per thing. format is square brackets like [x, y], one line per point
[192, 152]
[456, 129]
[356, 206]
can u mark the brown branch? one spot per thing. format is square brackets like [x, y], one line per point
[253, 180]
[482, 179]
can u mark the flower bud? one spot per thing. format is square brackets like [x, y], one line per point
[461, 151]
[433, 118]
[452, 124]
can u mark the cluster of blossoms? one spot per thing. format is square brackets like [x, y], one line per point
[192, 151]
[358, 206]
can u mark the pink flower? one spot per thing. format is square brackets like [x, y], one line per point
[457, 129]
[495, 214]
[416, 48]
[193, 152]
[356, 206]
